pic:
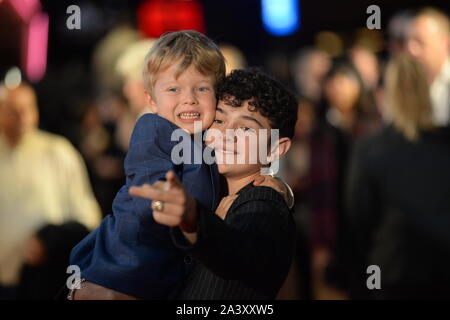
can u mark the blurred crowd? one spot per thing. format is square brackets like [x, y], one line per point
[369, 167]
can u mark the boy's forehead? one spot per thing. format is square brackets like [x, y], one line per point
[232, 102]
[246, 108]
[176, 70]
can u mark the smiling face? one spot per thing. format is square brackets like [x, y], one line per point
[185, 98]
[237, 148]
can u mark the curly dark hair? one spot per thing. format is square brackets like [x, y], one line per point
[269, 97]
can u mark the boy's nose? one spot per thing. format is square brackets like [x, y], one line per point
[189, 98]
[229, 136]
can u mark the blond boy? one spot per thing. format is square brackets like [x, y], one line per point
[130, 255]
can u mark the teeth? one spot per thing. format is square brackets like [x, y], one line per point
[226, 152]
[189, 115]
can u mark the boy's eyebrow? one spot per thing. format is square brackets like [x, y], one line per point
[242, 117]
[174, 82]
[252, 119]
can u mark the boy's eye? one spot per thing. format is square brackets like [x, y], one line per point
[173, 89]
[246, 128]
[218, 121]
[204, 89]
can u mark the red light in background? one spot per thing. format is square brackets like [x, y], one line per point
[158, 16]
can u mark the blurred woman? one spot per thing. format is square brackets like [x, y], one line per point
[317, 163]
[399, 197]
[346, 114]
[348, 105]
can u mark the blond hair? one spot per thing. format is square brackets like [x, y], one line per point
[408, 97]
[438, 16]
[130, 62]
[234, 58]
[191, 48]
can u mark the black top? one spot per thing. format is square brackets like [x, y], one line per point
[399, 212]
[245, 256]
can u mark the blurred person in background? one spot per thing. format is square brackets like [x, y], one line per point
[108, 121]
[368, 66]
[366, 62]
[396, 45]
[108, 50]
[398, 196]
[429, 43]
[310, 170]
[397, 32]
[348, 105]
[46, 259]
[234, 58]
[43, 180]
[310, 66]
[296, 169]
[103, 154]
[349, 114]
[129, 67]
[346, 114]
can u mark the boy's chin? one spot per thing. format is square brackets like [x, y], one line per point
[236, 170]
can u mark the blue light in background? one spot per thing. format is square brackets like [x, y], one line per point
[280, 17]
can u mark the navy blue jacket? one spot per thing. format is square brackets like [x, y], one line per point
[129, 252]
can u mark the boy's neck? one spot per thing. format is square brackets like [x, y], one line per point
[234, 184]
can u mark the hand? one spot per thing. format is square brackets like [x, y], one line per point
[271, 182]
[278, 185]
[224, 205]
[35, 253]
[179, 208]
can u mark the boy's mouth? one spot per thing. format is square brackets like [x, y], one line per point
[189, 116]
[225, 151]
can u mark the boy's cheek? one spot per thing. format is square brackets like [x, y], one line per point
[208, 119]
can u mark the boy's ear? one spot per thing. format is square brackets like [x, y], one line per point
[280, 148]
[150, 101]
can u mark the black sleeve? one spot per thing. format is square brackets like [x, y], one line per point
[256, 243]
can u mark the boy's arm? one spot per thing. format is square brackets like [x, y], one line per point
[147, 160]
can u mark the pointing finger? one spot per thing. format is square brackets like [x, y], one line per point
[152, 193]
[172, 180]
